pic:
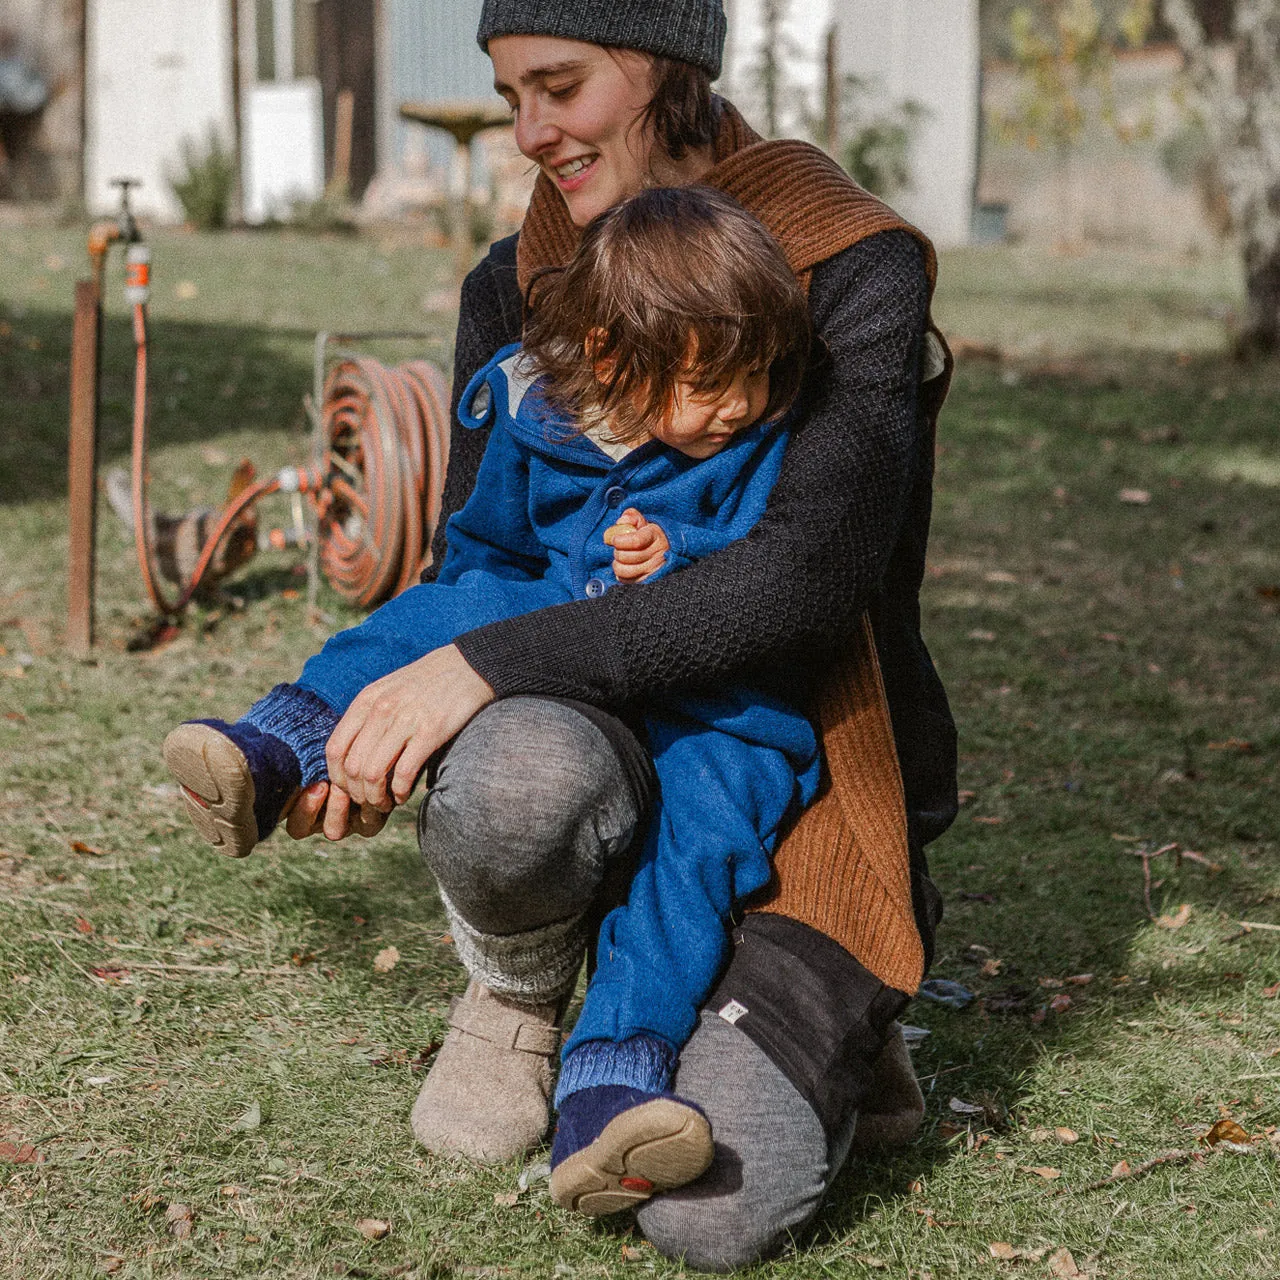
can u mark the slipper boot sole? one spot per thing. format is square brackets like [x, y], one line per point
[654, 1147]
[217, 787]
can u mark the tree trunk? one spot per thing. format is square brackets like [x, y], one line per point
[1242, 112]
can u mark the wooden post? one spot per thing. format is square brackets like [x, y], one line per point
[464, 244]
[82, 475]
[343, 120]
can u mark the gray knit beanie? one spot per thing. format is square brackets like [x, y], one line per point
[689, 30]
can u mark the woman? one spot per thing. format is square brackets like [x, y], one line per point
[538, 799]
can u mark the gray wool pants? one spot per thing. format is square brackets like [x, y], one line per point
[530, 826]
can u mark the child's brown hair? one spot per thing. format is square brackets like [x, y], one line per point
[674, 284]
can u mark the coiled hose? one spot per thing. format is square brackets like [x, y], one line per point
[386, 434]
[376, 491]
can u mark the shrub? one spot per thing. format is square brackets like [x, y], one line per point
[206, 182]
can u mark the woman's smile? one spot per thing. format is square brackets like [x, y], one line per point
[580, 115]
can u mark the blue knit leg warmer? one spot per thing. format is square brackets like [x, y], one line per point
[639, 1062]
[302, 721]
[601, 1079]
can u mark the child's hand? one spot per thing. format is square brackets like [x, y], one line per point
[639, 546]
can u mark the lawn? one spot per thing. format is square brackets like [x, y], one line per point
[204, 1073]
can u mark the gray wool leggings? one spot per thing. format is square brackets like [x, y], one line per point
[530, 827]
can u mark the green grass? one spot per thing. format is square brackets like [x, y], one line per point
[1099, 655]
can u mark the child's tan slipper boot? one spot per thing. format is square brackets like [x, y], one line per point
[894, 1106]
[654, 1147]
[217, 786]
[488, 1092]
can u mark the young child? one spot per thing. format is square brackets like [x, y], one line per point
[636, 431]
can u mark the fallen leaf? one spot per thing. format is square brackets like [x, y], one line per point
[79, 846]
[373, 1228]
[1065, 1135]
[97, 1082]
[1233, 744]
[1040, 1134]
[386, 959]
[1050, 984]
[1009, 1253]
[1177, 920]
[1270, 993]
[252, 1119]
[631, 1254]
[109, 1266]
[112, 973]
[1135, 497]
[1047, 1172]
[1063, 1265]
[25, 1153]
[185, 290]
[991, 969]
[1226, 1131]
[82, 925]
[1079, 979]
[987, 821]
[962, 1108]
[1060, 1003]
[506, 1199]
[179, 1218]
[965, 796]
[985, 636]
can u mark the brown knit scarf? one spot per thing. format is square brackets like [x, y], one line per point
[843, 867]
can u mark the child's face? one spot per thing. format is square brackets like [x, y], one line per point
[701, 423]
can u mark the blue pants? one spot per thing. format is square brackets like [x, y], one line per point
[731, 767]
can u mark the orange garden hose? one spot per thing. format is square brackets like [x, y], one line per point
[386, 448]
[377, 492]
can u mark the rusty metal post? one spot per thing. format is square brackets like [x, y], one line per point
[82, 465]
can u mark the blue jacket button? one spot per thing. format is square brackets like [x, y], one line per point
[615, 496]
[595, 587]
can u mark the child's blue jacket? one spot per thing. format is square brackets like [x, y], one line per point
[731, 765]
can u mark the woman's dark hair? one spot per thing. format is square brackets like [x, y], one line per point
[682, 112]
[677, 284]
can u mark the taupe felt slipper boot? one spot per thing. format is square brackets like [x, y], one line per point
[894, 1106]
[488, 1092]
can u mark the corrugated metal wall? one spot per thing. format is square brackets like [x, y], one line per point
[431, 52]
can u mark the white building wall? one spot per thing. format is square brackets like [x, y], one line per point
[158, 71]
[926, 51]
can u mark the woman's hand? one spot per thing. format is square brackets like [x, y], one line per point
[395, 724]
[639, 546]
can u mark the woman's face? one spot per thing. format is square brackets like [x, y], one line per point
[578, 115]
